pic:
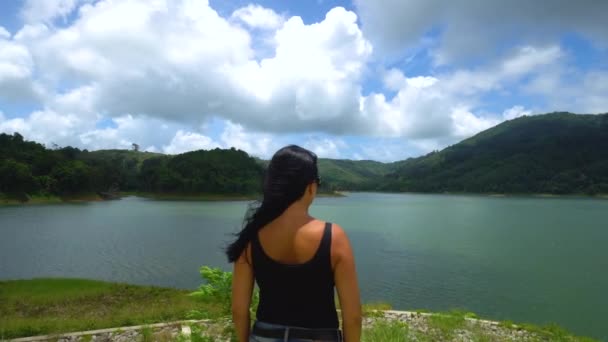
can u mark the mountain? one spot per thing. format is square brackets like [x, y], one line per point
[340, 174]
[554, 153]
[345, 174]
[29, 169]
[558, 153]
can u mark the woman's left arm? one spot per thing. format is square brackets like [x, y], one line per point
[242, 289]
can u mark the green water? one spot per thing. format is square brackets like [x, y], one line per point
[537, 260]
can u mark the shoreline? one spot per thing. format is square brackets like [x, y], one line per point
[117, 307]
[51, 199]
[482, 194]
[86, 198]
[41, 200]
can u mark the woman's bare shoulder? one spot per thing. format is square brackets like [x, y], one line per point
[339, 240]
[337, 231]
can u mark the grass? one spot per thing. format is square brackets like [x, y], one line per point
[55, 305]
[386, 330]
[59, 305]
[444, 325]
[191, 197]
[553, 332]
[208, 196]
[375, 310]
[49, 199]
[147, 334]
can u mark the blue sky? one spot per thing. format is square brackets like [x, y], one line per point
[383, 80]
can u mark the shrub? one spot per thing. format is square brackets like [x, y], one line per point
[217, 290]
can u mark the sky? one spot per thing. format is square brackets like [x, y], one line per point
[364, 79]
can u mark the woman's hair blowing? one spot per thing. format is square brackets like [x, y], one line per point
[290, 171]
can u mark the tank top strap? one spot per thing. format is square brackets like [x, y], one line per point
[257, 253]
[325, 247]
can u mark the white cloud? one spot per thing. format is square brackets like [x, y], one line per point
[313, 77]
[257, 144]
[152, 134]
[180, 60]
[189, 141]
[327, 147]
[4, 34]
[16, 72]
[394, 79]
[515, 112]
[158, 70]
[524, 61]
[595, 100]
[471, 28]
[466, 124]
[47, 10]
[442, 107]
[46, 126]
[568, 89]
[256, 16]
[198, 64]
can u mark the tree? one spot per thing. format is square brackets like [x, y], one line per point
[72, 177]
[135, 147]
[16, 178]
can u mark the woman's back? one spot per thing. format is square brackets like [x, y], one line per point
[293, 269]
[291, 240]
[296, 260]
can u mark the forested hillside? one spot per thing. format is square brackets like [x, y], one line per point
[28, 168]
[559, 153]
[340, 174]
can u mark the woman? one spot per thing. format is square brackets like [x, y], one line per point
[296, 261]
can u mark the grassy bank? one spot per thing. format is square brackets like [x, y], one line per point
[49, 199]
[56, 305]
[209, 197]
[190, 197]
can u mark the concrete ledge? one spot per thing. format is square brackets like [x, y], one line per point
[76, 335]
[175, 328]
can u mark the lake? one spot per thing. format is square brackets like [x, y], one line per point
[523, 259]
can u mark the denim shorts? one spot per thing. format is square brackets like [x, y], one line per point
[254, 338]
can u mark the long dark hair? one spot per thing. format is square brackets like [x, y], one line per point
[290, 171]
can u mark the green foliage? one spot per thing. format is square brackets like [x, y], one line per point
[146, 334]
[557, 153]
[553, 332]
[375, 310]
[386, 330]
[216, 171]
[217, 290]
[339, 174]
[16, 178]
[28, 169]
[57, 305]
[444, 325]
[199, 335]
[71, 177]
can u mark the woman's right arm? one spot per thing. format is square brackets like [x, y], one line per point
[345, 277]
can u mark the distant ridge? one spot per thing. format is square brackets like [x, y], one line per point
[556, 153]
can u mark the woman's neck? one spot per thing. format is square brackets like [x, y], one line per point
[296, 213]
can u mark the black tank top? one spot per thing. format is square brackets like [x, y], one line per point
[300, 295]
